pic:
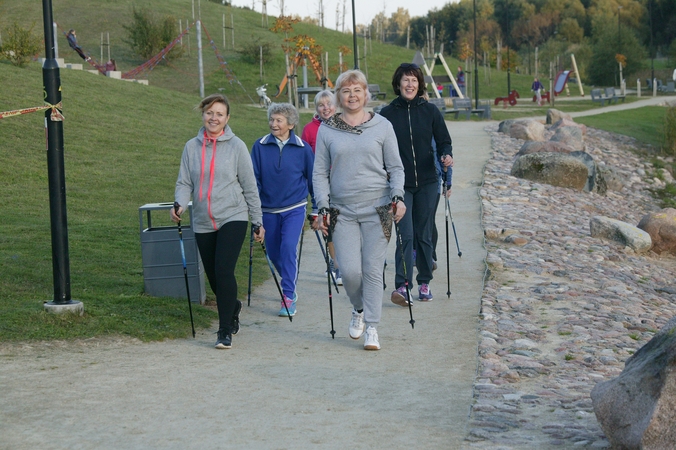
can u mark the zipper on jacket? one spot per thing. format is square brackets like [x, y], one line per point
[410, 131]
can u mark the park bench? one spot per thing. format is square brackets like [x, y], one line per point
[612, 97]
[441, 104]
[597, 97]
[464, 106]
[669, 87]
[375, 92]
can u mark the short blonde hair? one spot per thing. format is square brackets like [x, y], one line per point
[349, 77]
[325, 94]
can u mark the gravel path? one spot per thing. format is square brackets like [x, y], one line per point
[282, 385]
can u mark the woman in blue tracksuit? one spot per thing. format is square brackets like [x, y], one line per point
[417, 123]
[283, 168]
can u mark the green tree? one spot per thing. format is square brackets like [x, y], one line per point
[149, 33]
[607, 43]
[19, 45]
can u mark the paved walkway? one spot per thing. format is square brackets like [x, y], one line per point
[283, 385]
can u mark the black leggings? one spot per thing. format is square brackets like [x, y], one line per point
[219, 251]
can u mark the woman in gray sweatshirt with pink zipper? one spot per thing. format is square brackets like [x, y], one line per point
[358, 174]
[217, 173]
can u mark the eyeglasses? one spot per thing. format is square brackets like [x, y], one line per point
[409, 66]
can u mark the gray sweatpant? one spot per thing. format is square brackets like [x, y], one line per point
[360, 249]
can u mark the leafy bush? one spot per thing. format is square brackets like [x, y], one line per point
[251, 51]
[670, 131]
[148, 34]
[20, 45]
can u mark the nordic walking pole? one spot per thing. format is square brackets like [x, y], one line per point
[448, 269]
[185, 267]
[321, 246]
[329, 275]
[403, 263]
[251, 247]
[300, 250]
[274, 275]
[449, 183]
[454, 233]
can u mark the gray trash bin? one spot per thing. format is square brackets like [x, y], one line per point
[161, 253]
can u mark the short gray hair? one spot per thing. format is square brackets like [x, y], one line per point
[321, 95]
[285, 109]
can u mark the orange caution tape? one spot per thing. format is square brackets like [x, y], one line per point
[56, 115]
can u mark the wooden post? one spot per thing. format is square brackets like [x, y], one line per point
[577, 74]
[498, 57]
[551, 76]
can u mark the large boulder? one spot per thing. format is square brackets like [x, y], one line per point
[595, 181]
[571, 136]
[557, 169]
[528, 130]
[622, 232]
[543, 147]
[568, 123]
[614, 181]
[661, 226]
[506, 125]
[554, 115]
[637, 410]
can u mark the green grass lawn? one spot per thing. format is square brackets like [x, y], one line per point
[122, 145]
[645, 124]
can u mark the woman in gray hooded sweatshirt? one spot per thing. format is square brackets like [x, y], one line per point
[358, 174]
[217, 173]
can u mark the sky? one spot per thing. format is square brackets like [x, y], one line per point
[366, 10]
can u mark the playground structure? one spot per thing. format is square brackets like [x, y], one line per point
[148, 65]
[289, 81]
[419, 60]
[511, 99]
[561, 83]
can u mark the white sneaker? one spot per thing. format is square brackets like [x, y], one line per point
[371, 339]
[356, 325]
[339, 278]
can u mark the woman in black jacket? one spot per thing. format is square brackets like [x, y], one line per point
[416, 123]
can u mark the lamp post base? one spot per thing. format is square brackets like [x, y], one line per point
[73, 306]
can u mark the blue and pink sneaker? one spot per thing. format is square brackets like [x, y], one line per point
[424, 293]
[290, 304]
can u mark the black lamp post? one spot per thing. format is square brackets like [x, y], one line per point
[509, 70]
[619, 45]
[652, 50]
[619, 34]
[55, 166]
[476, 72]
